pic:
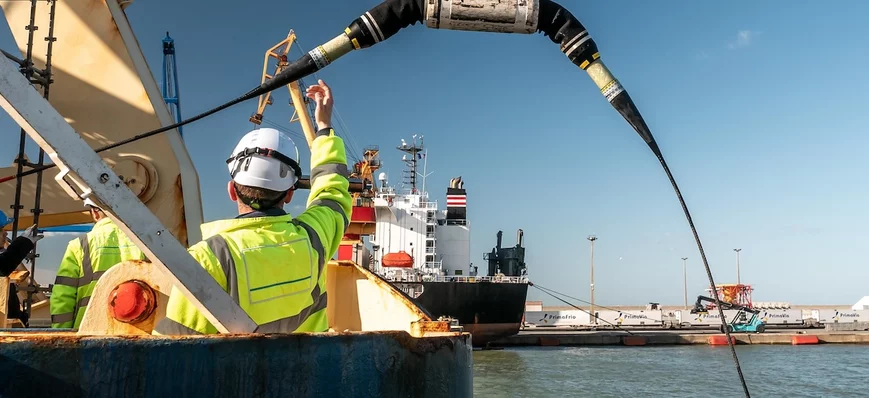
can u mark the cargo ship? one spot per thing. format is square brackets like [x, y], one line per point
[425, 251]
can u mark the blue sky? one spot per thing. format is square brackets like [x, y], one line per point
[759, 109]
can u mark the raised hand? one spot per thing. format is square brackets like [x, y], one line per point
[322, 96]
[31, 233]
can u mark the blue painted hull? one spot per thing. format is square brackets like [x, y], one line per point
[379, 364]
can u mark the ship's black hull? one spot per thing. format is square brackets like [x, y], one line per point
[489, 311]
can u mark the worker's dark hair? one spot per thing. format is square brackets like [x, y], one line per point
[258, 198]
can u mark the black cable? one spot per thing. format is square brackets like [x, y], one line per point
[706, 266]
[589, 313]
[247, 96]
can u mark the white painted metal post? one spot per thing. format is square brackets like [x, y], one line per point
[96, 180]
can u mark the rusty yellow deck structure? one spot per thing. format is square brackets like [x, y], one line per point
[105, 90]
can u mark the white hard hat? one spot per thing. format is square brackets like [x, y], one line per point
[265, 158]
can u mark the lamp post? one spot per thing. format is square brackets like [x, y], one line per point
[591, 239]
[685, 279]
[737, 265]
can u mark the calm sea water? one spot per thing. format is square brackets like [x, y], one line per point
[680, 371]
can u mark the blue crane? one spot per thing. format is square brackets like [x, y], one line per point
[171, 93]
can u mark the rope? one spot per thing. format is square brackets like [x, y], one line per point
[574, 298]
[568, 303]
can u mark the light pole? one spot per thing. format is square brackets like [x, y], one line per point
[592, 238]
[685, 279]
[737, 264]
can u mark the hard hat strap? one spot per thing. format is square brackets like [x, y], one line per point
[271, 153]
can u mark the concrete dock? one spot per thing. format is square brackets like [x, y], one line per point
[561, 337]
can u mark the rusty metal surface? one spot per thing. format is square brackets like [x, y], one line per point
[381, 364]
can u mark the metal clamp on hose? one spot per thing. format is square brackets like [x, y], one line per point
[499, 16]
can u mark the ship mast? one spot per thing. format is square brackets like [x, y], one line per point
[414, 151]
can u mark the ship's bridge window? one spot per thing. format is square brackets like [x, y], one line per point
[458, 272]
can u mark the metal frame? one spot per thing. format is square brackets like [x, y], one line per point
[43, 78]
[189, 176]
[279, 52]
[171, 92]
[83, 169]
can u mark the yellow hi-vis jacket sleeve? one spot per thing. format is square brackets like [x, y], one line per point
[328, 214]
[329, 203]
[64, 294]
[182, 317]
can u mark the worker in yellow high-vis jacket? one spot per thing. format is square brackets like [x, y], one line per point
[271, 264]
[85, 260]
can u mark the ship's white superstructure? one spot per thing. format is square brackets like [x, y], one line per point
[414, 240]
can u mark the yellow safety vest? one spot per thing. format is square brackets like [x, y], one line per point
[273, 266]
[85, 261]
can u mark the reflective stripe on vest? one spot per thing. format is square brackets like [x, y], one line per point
[334, 206]
[325, 170]
[87, 276]
[290, 324]
[218, 245]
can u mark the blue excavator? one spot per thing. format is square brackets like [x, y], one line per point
[741, 323]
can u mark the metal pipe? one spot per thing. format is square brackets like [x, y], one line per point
[737, 265]
[685, 279]
[27, 69]
[21, 62]
[356, 185]
[511, 16]
[37, 201]
[591, 239]
[519, 235]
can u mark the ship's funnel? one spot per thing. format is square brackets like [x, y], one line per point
[498, 244]
[457, 202]
[519, 236]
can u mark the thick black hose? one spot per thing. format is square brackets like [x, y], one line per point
[562, 27]
[385, 20]
[557, 23]
[380, 23]
[706, 266]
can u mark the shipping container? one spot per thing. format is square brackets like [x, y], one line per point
[842, 316]
[630, 318]
[781, 316]
[710, 319]
[557, 318]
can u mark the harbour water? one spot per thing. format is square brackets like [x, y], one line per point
[672, 371]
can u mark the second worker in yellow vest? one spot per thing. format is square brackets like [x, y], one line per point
[271, 264]
[85, 260]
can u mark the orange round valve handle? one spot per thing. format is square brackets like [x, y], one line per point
[132, 301]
